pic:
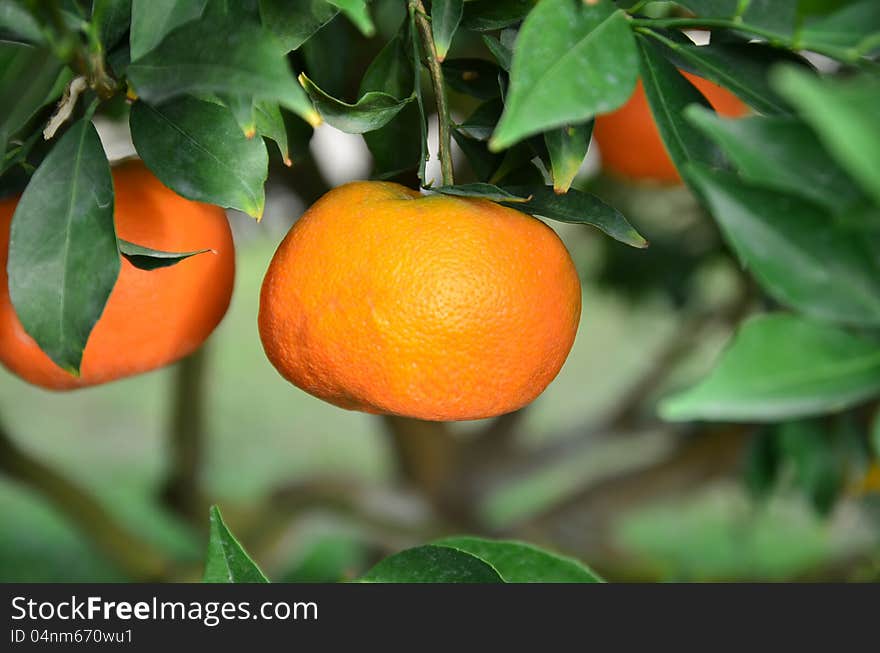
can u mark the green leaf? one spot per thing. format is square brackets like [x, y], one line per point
[373, 110]
[19, 22]
[445, 17]
[503, 54]
[852, 26]
[475, 77]
[781, 153]
[417, 91]
[244, 112]
[572, 60]
[579, 208]
[227, 561]
[669, 93]
[483, 162]
[782, 367]
[63, 258]
[845, 115]
[762, 463]
[270, 124]
[219, 55]
[197, 149]
[567, 147]
[395, 146]
[432, 564]
[113, 18]
[489, 15]
[356, 11]
[875, 435]
[518, 562]
[817, 463]
[482, 191]
[152, 20]
[776, 16]
[28, 81]
[293, 23]
[481, 123]
[799, 255]
[145, 258]
[739, 67]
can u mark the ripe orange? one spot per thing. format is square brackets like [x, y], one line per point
[440, 308]
[153, 317]
[630, 144]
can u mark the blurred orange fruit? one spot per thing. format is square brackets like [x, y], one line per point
[152, 318]
[434, 307]
[630, 144]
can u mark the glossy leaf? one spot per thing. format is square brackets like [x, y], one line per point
[572, 60]
[851, 26]
[782, 367]
[198, 150]
[482, 191]
[739, 67]
[28, 81]
[846, 117]
[242, 109]
[270, 124]
[778, 16]
[152, 20]
[432, 564]
[669, 93]
[63, 257]
[395, 146]
[227, 561]
[475, 77]
[113, 18]
[373, 110]
[567, 149]
[490, 15]
[483, 162]
[503, 55]
[293, 23]
[445, 17]
[481, 123]
[518, 562]
[145, 258]
[579, 208]
[358, 13]
[780, 153]
[219, 56]
[798, 255]
[19, 22]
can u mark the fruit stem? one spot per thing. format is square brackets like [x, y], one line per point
[136, 558]
[444, 151]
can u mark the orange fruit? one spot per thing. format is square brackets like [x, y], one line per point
[152, 318]
[440, 308]
[630, 144]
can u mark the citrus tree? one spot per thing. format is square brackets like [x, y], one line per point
[772, 122]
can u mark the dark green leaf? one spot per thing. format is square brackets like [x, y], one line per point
[63, 258]
[782, 367]
[518, 562]
[846, 116]
[113, 18]
[489, 15]
[432, 564]
[740, 67]
[152, 20]
[28, 80]
[481, 123]
[417, 91]
[445, 17]
[483, 162]
[373, 110]
[503, 55]
[761, 467]
[669, 93]
[395, 147]
[849, 27]
[270, 124]
[145, 258]
[776, 16]
[578, 208]
[293, 23]
[219, 56]
[197, 149]
[227, 561]
[242, 109]
[799, 255]
[358, 13]
[780, 153]
[567, 148]
[817, 462]
[482, 191]
[572, 60]
[19, 22]
[474, 77]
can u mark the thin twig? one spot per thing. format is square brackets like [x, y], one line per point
[444, 151]
[65, 106]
